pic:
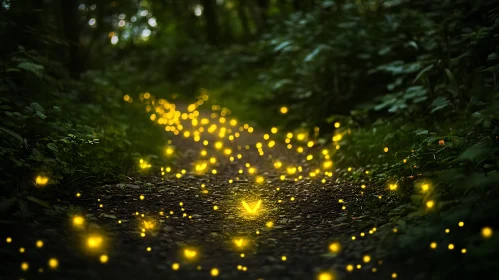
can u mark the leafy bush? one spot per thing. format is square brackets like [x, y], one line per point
[76, 133]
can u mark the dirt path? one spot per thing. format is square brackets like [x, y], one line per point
[147, 223]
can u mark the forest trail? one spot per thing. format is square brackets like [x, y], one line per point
[267, 213]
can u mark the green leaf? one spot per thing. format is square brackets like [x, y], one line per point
[41, 115]
[108, 216]
[282, 46]
[34, 68]
[37, 107]
[421, 131]
[422, 72]
[314, 53]
[440, 103]
[480, 152]
[38, 201]
[12, 133]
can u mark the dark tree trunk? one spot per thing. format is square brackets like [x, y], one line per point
[259, 12]
[211, 21]
[242, 16]
[297, 5]
[71, 32]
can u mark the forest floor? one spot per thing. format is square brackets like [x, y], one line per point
[196, 227]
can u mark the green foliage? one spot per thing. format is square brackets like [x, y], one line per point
[76, 133]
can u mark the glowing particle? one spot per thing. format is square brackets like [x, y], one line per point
[463, 251]
[273, 130]
[214, 272]
[94, 242]
[283, 110]
[460, 224]
[260, 179]
[41, 180]
[433, 245]
[284, 258]
[240, 242]
[349, 268]
[487, 232]
[325, 276]
[78, 194]
[8, 240]
[53, 263]
[24, 266]
[269, 224]
[366, 258]
[39, 244]
[392, 187]
[394, 275]
[451, 246]
[215, 208]
[254, 209]
[148, 249]
[385, 149]
[336, 124]
[242, 255]
[78, 220]
[103, 258]
[335, 247]
[353, 237]
[190, 253]
[175, 266]
[447, 230]
[21, 250]
[430, 204]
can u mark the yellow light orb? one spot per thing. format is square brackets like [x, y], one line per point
[366, 258]
[103, 258]
[94, 242]
[78, 220]
[284, 110]
[41, 180]
[335, 247]
[325, 276]
[24, 266]
[53, 263]
[430, 204]
[214, 272]
[487, 232]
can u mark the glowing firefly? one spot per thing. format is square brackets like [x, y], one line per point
[254, 209]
